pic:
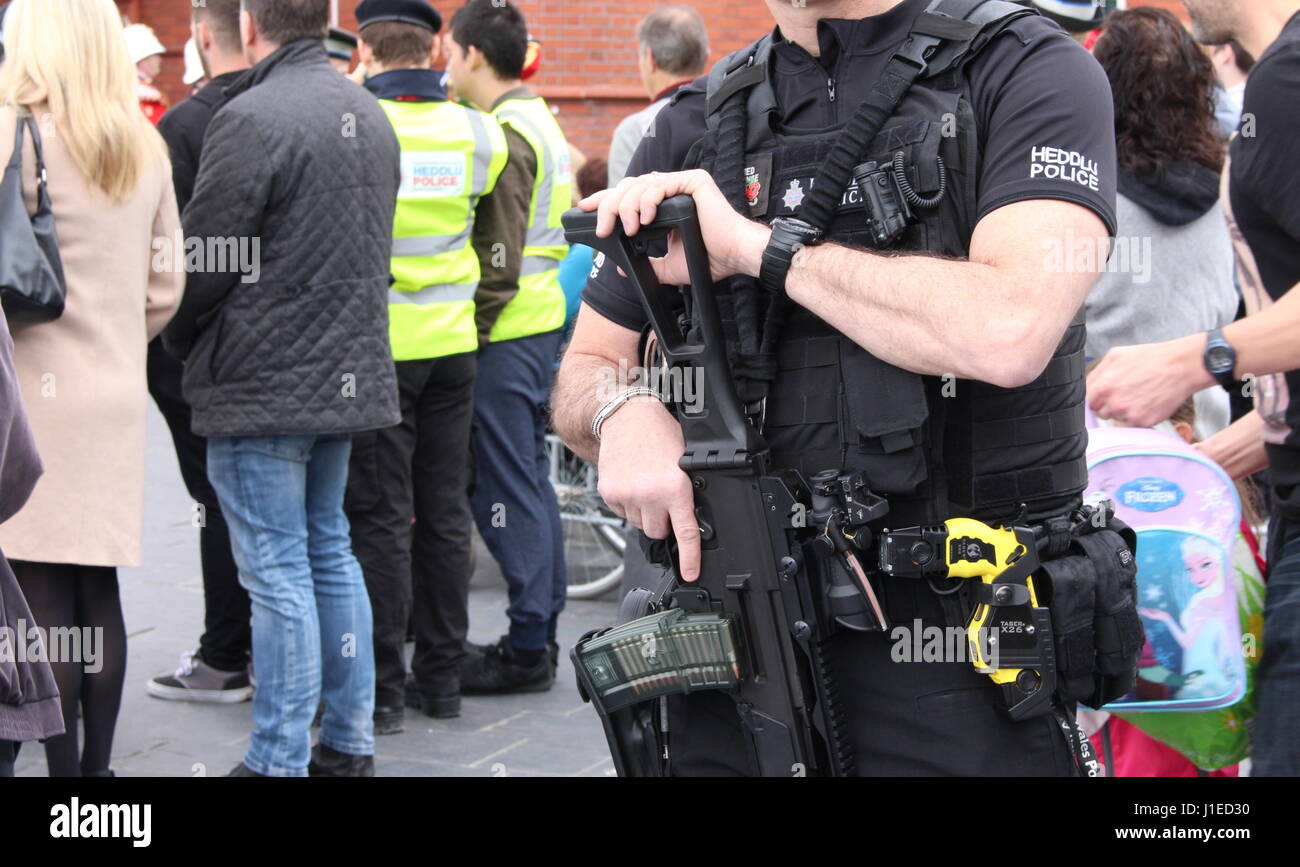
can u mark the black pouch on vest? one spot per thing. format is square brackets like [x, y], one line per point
[1092, 595]
[887, 410]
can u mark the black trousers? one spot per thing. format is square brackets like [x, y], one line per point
[417, 570]
[227, 626]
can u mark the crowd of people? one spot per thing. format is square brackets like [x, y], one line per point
[347, 396]
[338, 269]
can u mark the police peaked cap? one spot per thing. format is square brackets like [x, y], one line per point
[416, 12]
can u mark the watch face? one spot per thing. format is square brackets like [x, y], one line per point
[1219, 359]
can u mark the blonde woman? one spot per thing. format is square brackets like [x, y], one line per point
[83, 375]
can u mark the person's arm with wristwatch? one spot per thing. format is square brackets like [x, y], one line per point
[1144, 385]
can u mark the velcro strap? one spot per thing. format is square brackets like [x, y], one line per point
[1060, 533]
[1020, 486]
[1006, 433]
[808, 352]
[802, 409]
[961, 9]
[943, 27]
[746, 77]
[897, 442]
[1061, 370]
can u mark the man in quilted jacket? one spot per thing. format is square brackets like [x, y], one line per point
[284, 331]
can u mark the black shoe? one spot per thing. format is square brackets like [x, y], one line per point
[440, 700]
[497, 672]
[107, 772]
[326, 762]
[243, 770]
[389, 720]
[474, 649]
[552, 648]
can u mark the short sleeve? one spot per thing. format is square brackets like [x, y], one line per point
[1047, 122]
[1263, 155]
[677, 128]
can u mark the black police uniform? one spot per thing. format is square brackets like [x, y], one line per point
[1027, 117]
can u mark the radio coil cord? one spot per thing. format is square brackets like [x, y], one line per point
[910, 194]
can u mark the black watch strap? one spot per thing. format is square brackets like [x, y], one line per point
[788, 235]
[1220, 358]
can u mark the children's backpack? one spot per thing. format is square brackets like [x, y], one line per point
[1186, 513]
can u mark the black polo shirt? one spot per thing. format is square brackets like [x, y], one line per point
[1037, 96]
[1265, 191]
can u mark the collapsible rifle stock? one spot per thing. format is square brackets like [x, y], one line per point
[754, 622]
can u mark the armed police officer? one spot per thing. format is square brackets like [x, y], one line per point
[926, 336]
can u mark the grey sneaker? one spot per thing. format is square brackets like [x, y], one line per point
[195, 680]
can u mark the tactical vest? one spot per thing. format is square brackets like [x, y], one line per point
[451, 157]
[539, 305]
[936, 447]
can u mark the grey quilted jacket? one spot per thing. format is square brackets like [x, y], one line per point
[284, 324]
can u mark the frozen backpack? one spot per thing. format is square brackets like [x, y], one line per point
[1187, 515]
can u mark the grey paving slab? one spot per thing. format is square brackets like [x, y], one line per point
[539, 734]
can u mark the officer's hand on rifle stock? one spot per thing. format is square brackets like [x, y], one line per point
[735, 244]
[640, 479]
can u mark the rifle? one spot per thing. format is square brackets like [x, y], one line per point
[758, 621]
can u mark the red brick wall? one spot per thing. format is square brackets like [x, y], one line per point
[588, 70]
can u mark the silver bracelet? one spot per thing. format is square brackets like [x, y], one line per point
[603, 414]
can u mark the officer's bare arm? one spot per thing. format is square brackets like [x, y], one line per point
[996, 318]
[639, 445]
[590, 363]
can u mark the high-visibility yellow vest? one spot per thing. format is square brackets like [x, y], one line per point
[539, 305]
[452, 156]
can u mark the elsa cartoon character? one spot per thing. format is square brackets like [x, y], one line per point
[1202, 629]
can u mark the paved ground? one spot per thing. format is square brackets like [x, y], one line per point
[551, 733]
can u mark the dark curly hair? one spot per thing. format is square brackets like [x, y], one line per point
[1164, 88]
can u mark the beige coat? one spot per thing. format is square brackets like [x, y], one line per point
[83, 375]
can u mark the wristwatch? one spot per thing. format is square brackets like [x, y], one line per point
[788, 235]
[1220, 358]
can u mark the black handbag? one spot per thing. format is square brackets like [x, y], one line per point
[32, 287]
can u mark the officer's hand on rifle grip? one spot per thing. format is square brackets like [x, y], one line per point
[735, 244]
[639, 477]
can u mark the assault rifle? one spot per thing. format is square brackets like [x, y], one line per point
[758, 621]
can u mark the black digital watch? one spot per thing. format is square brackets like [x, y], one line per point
[1220, 358]
[788, 235]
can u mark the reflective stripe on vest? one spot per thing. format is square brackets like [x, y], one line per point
[539, 305]
[451, 157]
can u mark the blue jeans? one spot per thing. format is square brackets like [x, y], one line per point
[1276, 748]
[513, 502]
[283, 499]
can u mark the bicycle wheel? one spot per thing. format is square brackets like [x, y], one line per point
[594, 537]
